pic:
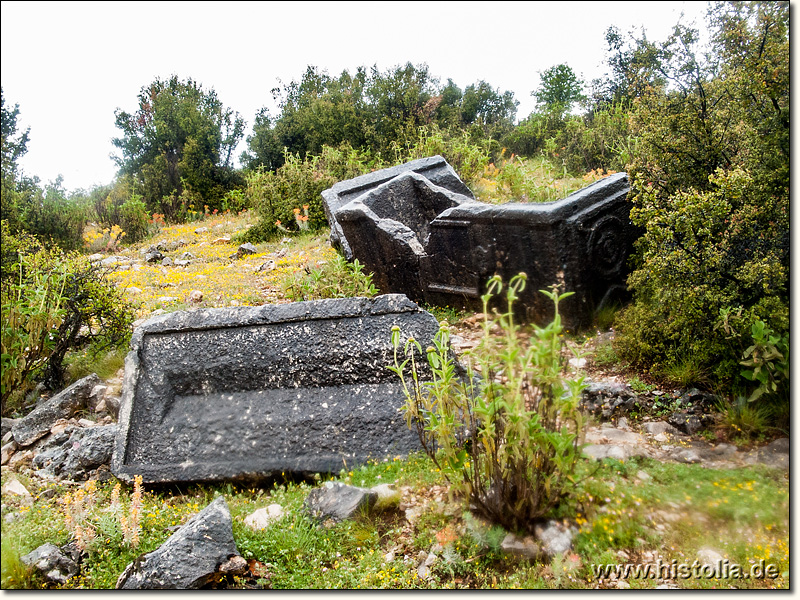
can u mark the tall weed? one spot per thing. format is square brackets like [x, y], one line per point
[509, 427]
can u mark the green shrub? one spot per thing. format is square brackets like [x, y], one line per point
[710, 190]
[52, 303]
[468, 156]
[335, 279]
[134, 219]
[275, 195]
[724, 249]
[51, 216]
[513, 435]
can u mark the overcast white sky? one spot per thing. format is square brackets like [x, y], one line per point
[69, 65]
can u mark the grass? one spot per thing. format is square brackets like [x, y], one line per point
[742, 513]
[539, 179]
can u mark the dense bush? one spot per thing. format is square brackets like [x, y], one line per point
[118, 204]
[52, 302]
[50, 214]
[510, 426]
[710, 188]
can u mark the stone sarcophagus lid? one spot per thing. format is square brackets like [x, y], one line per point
[435, 243]
[250, 392]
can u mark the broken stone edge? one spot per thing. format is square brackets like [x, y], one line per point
[434, 168]
[240, 316]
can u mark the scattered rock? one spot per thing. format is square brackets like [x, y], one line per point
[601, 451]
[6, 424]
[188, 256]
[95, 257]
[689, 455]
[75, 458]
[657, 427]
[525, 547]
[266, 267]
[643, 476]
[195, 296]
[61, 406]
[226, 239]
[190, 557]
[338, 501]
[236, 565]
[712, 558]
[245, 249]
[153, 256]
[49, 560]
[775, 454]
[387, 495]
[200, 230]
[15, 488]
[554, 537]
[264, 517]
[685, 422]
[7, 451]
[167, 262]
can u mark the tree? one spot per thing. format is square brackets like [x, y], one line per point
[634, 69]
[488, 109]
[710, 189]
[559, 89]
[180, 139]
[14, 146]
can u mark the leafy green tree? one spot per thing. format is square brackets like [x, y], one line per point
[14, 146]
[400, 101]
[634, 65]
[710, 188]
[180, 139]
[488, 112]
[559, 89]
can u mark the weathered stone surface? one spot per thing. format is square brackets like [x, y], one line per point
[38, 422]
[554, 537]
[338, 501]
[83, 451]
[51, 561]
[15, 488]
[389, 227]
[249, 392]
[435, 169]
[775, 454]
[657, 427]
[189, 557]
[6, 424]
[685, 422]
[444, 254]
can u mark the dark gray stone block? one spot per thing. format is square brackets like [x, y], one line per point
[434, 168]
[250, 392]
[63, 405]
[188, 559]
[439, 247]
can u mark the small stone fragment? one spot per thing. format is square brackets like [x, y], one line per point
[338, 501]
[264, 517]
